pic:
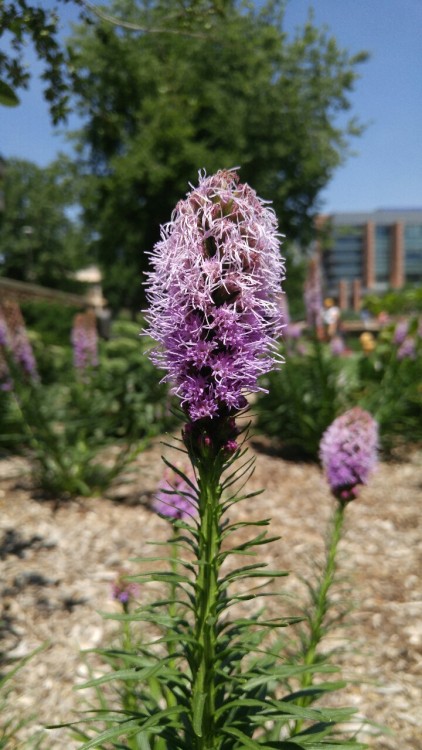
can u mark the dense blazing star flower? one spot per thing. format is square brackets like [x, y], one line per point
[175, 498]
[348, 452]
[84, 341]
[214, 296]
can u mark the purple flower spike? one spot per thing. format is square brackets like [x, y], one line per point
[175, 498]
[123, 591]
[214, 296]
[14, 337]
[337, 346]
[407, 350]
[84, 341]
[348, 452]
[400, 332]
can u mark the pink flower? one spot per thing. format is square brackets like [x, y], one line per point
[175, 498]
[348, 452]
[85, 341]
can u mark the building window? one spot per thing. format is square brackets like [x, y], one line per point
[343, 258]
[383, 246]
[413, 253]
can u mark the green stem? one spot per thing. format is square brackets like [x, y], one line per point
[204, 677]
[320, 607]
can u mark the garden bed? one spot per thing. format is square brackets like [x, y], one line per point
[59, 563]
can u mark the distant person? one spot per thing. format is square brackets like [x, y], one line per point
[331, 318]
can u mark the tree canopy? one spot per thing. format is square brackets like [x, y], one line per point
[236, 91]
[39, 242]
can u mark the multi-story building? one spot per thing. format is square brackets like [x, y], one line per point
[370, 251]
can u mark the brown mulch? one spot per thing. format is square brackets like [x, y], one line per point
[58, 564]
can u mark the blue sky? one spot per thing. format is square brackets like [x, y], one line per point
[386, 171]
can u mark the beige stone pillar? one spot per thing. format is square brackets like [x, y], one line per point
[343, 295]
[356, 294]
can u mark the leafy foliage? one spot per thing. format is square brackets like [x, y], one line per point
[389, 386]
[199, 652]
[302, 400]
[315, 386]
[397, 302]
[236, 91]
[40, 243]
[19, 21]
[67, 422]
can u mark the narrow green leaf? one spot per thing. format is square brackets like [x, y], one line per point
[8, 98]
[198, 712]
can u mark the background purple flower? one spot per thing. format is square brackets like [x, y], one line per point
[175, 498]
[400, 332]
[14, 336]
[407, 350]
[337, 346]
[123, 591]
[214, 296]
[84, 341]
[348, 452]
[313, 294]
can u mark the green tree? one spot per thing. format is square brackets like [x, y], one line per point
[40, 24]
[233, 92]
[39, 241]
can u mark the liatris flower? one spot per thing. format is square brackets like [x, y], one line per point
[337, 346]
[214, 296]
[293, 331]
[348, 452]
[175, 498]
[313, 295]
[85, 341]
[123, 591]
[407, 350]
[400, 332]
[14, 336]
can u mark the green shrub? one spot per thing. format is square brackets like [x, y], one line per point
[399, 302]
[52, 321]
[303, 398]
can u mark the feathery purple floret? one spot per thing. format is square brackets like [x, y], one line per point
[175, 498]
[348, 452]
[214, 296]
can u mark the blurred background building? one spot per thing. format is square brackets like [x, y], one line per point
[376, 251]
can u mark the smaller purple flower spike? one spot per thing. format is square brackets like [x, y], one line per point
[123, 591]
[348, 452]
[407, 350]
[175, 498]
[337, 346]
[400, 332]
